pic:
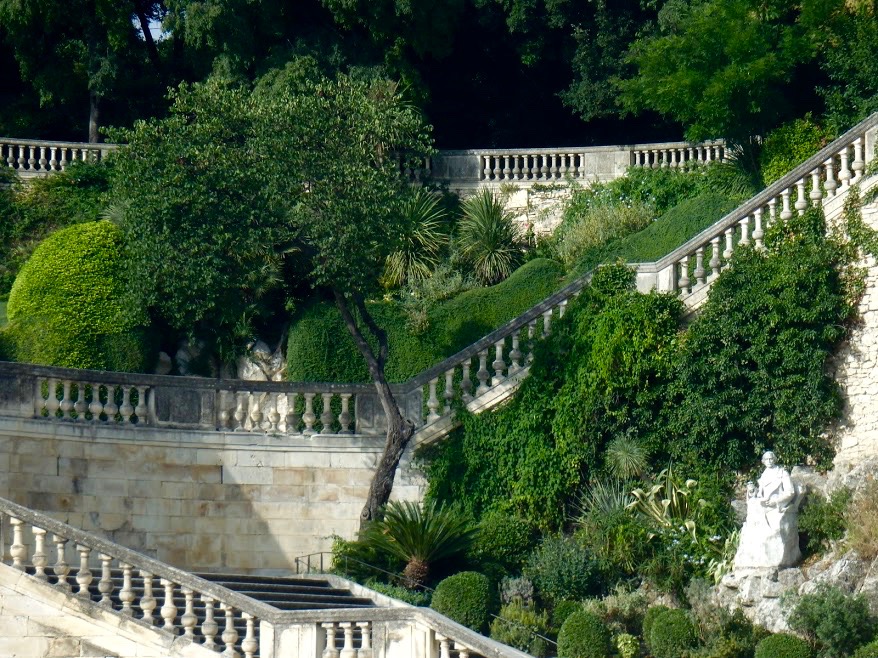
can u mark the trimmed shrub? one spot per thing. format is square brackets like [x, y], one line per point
[503, 539]
[467, 598]
[839, 623]
[783, 645]
[867, 650]
[562, 610]
[584, 635]
[68, 306]
[321, 349]
[562, 570]
[671, 634]
[649, 618]
[520, 626]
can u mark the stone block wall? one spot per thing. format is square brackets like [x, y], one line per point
[196, 500]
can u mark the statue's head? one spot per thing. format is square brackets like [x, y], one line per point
[769, 459]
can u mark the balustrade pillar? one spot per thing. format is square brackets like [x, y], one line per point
[433, 402]
[699, 265]
[516, 169]
[785, 212]
[110, 408]
[531, 335]
[844, 173]
[209, 627]
[330, 650]
[255, 411]
[482, 375]
[168, 610]
[308, 417]
[365, 639]
[758, 233]
[125, 409]
[39, 559]
[466, 384]
[52, 404]
[730, 245]
[141, 408]
[745, 231]
[230, 635]
[95, 406]
[61, 568]
[714, 257]
[344, 418]
[801, 203]
[293, 419]
[80, 406]
[17, 551]
[485, 167]
[249, 645]
[683, 281]
[515, 354]
[66, 405]
[496, 170]
[147, 601]
[498, 365]
[326, 416]
[547, 323]
[347, 650]
[126, 595]
[274, 412]
[816, 193]
[105, 585]
[84, 575]
[507, 170]
[859, 163]
[772, 211]
[188, 620]
[448, 393]
[831, 185]
[444, 646]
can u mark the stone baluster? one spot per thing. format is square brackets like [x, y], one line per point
[105, 584]
[230, 635]
[224, 417]
[515, 354]
[53, 158]
[772, 211]
[562, 308]
[83, 576]
[61, 568]
[663, 157]
[433, 402]
[125, 409]
[95, 406]
[745, 231]
[209, 627]
[555, 171]
[188, 620]
[531, 335]
[444, 646]
[496, 170]
[365, 639]
[801, 203]
[482, 375]
[63, 158]
[758, 233]
[714, 257]
[699, 265]
[39, 559]
[255, 409]
[525, 167]
[507, 170]
[330, 650]
[499, 365]
[656, 160]
[168, 610]
[66, 405]
[22, 160]
[485, 167]
[730, 246]
[516, 169]
[249, 645]
[240, 413]
[293, 419]
[683, 281]
[544, 167]
[786, 212]
[462, 650]
[831, 184]
[547, 323]
[52, 404]
[344, 418]
[147, 600]
[110, 408]
[448, 392]
[141, 408]
[347, 650]
[17, 551]
[126, 594]
[327, 416]
[309, 417]
[816, 194]
[844, 172]
[466, 384]
[32, 159]
[859, 164]
[43, 161]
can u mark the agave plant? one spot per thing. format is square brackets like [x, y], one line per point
[421, 535]
[668, 502]
[422, 244]
[487, 237]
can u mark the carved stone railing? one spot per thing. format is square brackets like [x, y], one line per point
[822, 181]
[30, 158]
[469, 168]
[173, 601]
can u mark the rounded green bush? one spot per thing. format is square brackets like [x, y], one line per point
[467, 598]
[671, 634]
[649, 618]
[584, 635]
[69, 306]
[562, 569]
[523, 628]
[504, 539]
[321, 349]
[782, 645]
[867, 650]
[562, 610]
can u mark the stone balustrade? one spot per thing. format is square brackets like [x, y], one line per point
[821, 181]
[30, 158]
[166, 599]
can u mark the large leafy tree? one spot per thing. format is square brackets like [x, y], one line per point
[219, 197]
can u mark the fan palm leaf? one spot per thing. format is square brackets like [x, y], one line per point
[487, 237]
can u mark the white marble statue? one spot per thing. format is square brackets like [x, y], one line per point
[770, 536]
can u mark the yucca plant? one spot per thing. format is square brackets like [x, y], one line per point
[421, 535]
[422, 245]
[626, 457]
[487, 237]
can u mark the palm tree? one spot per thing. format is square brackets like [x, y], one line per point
[421, 535]
[487, 237]
[423, 242]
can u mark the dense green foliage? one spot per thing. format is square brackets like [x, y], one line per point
[503, 539]
[29, 213]
[562, 570]
[321, 349]
[68, 306]
[783, 645]
[522, 627]
[650, 617]
[486, 236]
[790, 145]
[867, 650]
[671, 634]
[584, 635]
[466, 597]
[838, 623]
[822, 520]
[401, 593]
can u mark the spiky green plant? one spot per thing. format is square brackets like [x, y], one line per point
[487, 237]
[626, 457]
[668, 501]
[420, 534]
[422, 245]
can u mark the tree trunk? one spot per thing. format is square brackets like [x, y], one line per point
[93, 117]
[399, 429]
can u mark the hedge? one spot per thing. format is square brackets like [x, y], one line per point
[467, 598]
[69, 307]
[321, 349]
[584, 635]
[672, 229]
[783, 645]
